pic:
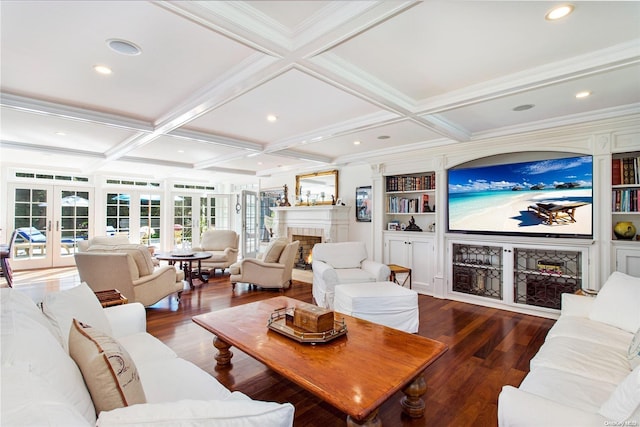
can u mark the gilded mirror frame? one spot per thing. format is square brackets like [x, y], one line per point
[319, 186]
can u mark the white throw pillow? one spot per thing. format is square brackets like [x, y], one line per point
[634, 351]
[624, 402]
[618, 301]
[194, 413]
[79, 303]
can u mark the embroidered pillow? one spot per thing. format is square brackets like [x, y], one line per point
[107, 369]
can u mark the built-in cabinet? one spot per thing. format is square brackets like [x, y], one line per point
[413, 250]
[529, 275]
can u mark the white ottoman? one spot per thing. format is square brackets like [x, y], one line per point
[380, 302]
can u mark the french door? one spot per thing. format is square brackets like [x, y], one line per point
[49, 221]
[137, 214]
[193, 214]
[249, 224]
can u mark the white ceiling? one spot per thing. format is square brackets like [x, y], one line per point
[193, 104]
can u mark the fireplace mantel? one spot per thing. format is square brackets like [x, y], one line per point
[332, 220]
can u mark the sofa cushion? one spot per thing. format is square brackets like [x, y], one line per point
[30, 348]
[624, 403]
[618, 301]
[589, 359]
[107, 368]
[194, 413]
[567, 388]
[174, 379]
[633, 354]
[590, 330]
[273, 251]
[31, 400]
[79, 302]
[143, 346]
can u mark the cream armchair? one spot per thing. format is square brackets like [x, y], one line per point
[272, 271]
[128, 268]
[223, 247]
[337, 264]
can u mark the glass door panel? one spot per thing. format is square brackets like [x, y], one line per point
[118, 213]
[31, 219]
[72, 222]
[150, 215]
[249, 224]
[183, 221]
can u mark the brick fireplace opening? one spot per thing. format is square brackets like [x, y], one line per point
[303, 260]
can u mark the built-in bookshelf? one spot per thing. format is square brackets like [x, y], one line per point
[625, 179]
[410, 196]
[625, 188]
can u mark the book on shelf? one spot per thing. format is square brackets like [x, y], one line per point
[625, 171]
[411, 183]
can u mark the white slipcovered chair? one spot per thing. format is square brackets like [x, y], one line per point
[223, 247]
[272, 269]
[342, 263]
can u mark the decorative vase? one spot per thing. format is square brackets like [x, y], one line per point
[624, 230]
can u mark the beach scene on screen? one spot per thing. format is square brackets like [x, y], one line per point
[547, 197]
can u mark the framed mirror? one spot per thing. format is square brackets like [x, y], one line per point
[317, 188]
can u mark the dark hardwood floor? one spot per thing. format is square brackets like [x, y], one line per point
[488, 348]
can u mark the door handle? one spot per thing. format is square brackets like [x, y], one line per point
[57, 225]
[49, 226]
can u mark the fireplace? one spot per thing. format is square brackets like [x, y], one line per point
[303, 261]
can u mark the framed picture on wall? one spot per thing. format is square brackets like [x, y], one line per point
[364, 204]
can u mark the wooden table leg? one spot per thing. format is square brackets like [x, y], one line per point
[371, 421]
[224, 355]
[412, 403]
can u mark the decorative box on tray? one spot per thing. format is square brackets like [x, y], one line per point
[307, 323]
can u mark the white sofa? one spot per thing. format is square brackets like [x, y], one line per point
[587, 372]
[42, 384]
[335, 264]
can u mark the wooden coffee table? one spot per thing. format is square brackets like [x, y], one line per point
[356, 373]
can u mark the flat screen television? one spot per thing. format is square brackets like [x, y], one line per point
[542, 194]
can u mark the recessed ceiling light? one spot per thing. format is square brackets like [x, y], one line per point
[124, 47]
[272, 118]
[559, 12]
[102, 69]
[583, 94]
[61, 134]
[356, 142]
[384, 137]
[523, 107]
[180, 151]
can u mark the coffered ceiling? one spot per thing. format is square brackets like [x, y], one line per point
[392, 75]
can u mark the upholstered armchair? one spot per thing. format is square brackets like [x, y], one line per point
[223, 247]
[272, 270]
[337, 264]
[83, 245]
[130, 269]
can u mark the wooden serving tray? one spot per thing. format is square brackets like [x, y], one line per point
[277, 323]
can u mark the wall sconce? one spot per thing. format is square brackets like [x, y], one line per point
[238, 205]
